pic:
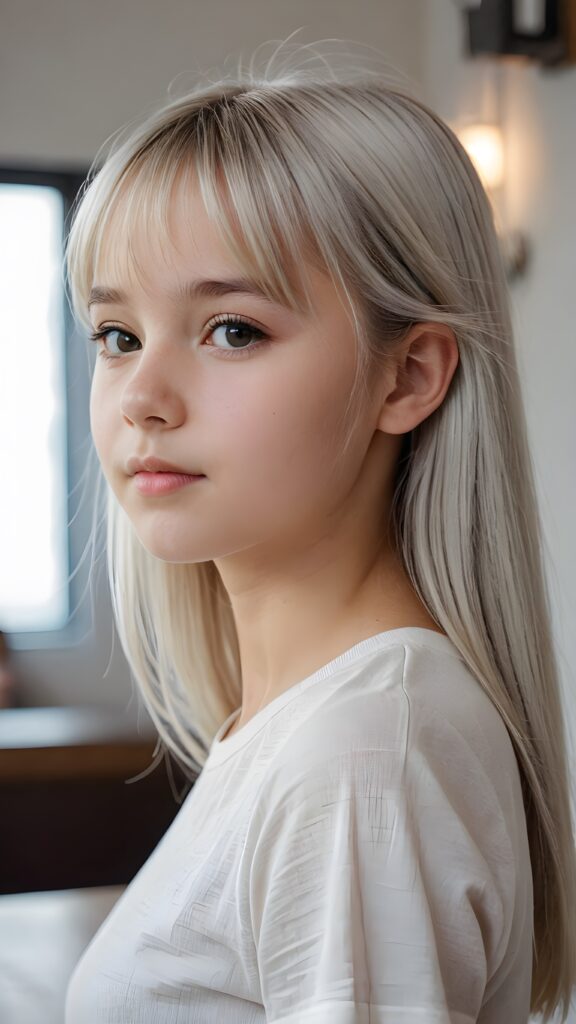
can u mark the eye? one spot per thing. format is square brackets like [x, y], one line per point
[114, 335]
[236, 329]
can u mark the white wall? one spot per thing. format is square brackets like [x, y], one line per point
[71, 73]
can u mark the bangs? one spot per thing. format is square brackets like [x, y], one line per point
[248, 196]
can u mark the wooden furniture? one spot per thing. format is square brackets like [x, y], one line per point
[42, 937]
[69, 814]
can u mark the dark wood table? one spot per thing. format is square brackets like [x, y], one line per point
[79, 803]
[42, 937]
[67, 742]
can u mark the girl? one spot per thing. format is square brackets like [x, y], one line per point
[324, 557]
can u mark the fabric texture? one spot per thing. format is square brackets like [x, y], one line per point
[356, 853]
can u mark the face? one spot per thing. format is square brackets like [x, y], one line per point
[256, 406]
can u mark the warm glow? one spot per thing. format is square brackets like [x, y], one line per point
[483, 143]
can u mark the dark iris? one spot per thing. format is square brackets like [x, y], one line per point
[122, 334]
[240, 329]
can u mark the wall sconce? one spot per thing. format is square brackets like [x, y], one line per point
[541, 31]
[485, 147]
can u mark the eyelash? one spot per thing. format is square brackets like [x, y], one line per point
[222, 319]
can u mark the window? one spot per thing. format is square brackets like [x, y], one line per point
[44, 425]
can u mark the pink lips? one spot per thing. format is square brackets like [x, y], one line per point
[163, 483]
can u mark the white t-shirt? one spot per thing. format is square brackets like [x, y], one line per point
[356, 852]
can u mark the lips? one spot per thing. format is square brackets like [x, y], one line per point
[152, 464]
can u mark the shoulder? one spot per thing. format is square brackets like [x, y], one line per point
[412, 723]
[404, 697]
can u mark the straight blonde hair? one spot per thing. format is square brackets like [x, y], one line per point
[374, 188]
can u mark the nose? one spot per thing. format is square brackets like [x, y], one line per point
[153, 392]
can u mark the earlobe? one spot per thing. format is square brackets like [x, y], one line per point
[426, 363]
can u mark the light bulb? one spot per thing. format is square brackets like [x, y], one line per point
[483, 143]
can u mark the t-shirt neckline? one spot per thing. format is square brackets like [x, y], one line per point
[221, 749]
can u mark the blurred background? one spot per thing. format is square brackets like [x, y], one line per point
[73, 729]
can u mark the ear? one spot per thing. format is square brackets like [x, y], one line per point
[420, 377]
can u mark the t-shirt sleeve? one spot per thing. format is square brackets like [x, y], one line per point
[381, 886]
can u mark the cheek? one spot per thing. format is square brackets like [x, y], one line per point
[287, 433]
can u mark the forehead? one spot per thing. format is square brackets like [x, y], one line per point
[155, 240]
[161, 240]
[191, 234]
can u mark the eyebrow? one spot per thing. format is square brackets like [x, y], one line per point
[201, 288]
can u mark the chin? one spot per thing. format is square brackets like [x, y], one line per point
[171, 549]
[171, 553]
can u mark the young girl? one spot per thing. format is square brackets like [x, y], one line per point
[325, 564]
